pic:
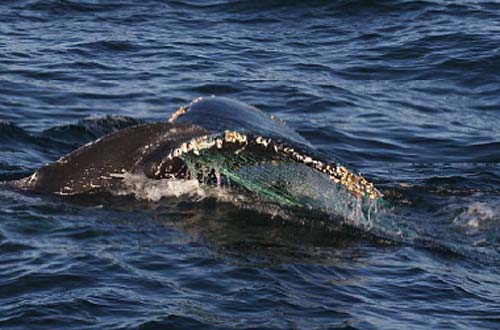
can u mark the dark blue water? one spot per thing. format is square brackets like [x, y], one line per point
[407, 92]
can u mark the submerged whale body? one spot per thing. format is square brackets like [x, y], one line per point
[216, 141]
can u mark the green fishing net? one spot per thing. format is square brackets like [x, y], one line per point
[276, 179]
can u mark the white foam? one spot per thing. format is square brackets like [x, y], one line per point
[478, 215]
[153, 190]
[144, 188]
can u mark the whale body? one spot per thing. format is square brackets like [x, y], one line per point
[238, 142]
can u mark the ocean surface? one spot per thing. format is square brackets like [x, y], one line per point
[406, 92]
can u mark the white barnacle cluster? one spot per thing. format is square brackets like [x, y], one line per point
[263, 141]
[205, 142]
[235, 137]
[183, 109]
[179, 112]
[354, 183]
[357, 184]
[194, 145]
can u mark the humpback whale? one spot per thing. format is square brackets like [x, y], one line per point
[215, 140]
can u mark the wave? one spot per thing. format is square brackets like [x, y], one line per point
[89, 129]
[9, 132]
[57, 7]
[343, 5]
[112, 46]
[85, 130]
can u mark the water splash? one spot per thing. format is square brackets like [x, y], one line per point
[154, 190]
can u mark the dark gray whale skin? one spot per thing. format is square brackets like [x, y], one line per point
[91, 168]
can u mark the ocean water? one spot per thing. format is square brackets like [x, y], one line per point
[406, 92]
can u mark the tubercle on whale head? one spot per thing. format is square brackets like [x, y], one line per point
[356, 184]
